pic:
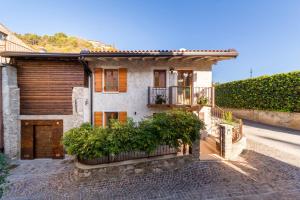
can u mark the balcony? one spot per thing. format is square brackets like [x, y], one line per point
[7, 45]
[176, 96]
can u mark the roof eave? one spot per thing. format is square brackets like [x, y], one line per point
[12, 54]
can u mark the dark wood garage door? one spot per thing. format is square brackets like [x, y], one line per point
[41, 139]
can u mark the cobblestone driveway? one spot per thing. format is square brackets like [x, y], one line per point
[256, 175]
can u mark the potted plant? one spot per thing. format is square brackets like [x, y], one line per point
[160, 99]
[202, 100]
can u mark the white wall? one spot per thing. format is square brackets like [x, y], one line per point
[139, 78]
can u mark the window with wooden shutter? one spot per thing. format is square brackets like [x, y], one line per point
[123, 80]
[109, 116]
[122, 116]
[98, 79]
[160, 78]
[111, 80]
[98, 118]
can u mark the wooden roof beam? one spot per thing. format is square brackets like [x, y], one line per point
[189, 58]
[174, 58]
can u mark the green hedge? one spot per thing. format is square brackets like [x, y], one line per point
[280, 92]
[3, 173]
[168, 128]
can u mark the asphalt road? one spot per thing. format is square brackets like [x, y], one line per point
[283, 139]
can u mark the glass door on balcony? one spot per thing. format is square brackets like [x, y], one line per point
[184, 86]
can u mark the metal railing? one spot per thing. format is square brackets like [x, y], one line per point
[177, 95]
[160, 151]
[237, 132]
[158, 95]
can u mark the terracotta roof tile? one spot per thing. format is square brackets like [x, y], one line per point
[162, 51]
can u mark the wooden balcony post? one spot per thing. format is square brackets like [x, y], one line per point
[213, 96]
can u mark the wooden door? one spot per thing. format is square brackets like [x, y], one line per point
[185, 86]
[42, 141]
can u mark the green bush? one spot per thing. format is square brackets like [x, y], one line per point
[86, 141]
[3, 173]
[171, 128]
[280, 92]
[122, 136]
[228, 118]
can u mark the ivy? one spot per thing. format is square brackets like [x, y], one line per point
[280, 92]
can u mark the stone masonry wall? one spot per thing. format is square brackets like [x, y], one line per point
[11, 110]
[132, 167]
[81, 105]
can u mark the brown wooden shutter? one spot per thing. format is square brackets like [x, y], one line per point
[57, 134]
[26, 140]
[98, 119]
[123, 80]
[98, 79]
[122, 116]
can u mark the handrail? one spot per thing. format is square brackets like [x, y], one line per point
[237, 132]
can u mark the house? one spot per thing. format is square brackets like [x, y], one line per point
[45, 94]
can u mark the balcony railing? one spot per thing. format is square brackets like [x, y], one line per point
[7, 45]
[176, 95]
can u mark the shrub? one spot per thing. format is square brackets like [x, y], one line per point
[228, 118]
[3, 173]
[86, 142]
[170, 128]
[122, 136]
[177, 125]
[280, 92]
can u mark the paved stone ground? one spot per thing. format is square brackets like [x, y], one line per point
[261, 172]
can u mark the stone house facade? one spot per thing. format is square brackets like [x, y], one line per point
[46, 94]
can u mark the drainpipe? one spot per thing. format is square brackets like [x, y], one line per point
[90, 75]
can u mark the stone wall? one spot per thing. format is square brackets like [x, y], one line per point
[132, 167]
[11, 111]
[282, 119]
[81, 105]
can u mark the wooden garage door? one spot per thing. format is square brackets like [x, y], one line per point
[41, 139]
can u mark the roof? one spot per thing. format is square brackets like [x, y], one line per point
[127, 53]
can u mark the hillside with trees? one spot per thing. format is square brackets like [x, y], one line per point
[60, 42]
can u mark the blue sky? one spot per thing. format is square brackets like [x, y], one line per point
[265, 32]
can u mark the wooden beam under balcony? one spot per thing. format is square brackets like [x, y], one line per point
[158, 105]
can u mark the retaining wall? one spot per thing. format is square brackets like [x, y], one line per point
[282, 119]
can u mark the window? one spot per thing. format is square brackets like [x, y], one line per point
[2, 36]
[109, 116]
[111, 80]
[160, 78]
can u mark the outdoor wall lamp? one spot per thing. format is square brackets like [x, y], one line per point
[172, 70]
